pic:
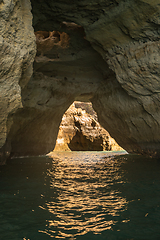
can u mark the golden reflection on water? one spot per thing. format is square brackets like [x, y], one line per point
[84, 198]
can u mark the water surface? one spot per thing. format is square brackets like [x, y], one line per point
[80, 195]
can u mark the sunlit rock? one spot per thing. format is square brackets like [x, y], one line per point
[80, 131]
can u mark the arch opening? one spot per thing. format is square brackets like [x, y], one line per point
[80, 131]
[126, 98]
[66, 69]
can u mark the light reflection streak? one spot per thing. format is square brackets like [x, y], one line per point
[84, 199]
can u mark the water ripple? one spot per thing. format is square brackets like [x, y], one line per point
[80, 195]
[85, 200]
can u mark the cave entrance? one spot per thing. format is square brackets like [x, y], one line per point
[66, 68]
[80, 131]
[69, 68]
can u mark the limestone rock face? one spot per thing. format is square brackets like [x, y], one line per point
[66, 68]
[105, 51]
[126, 35]
[17, 51]
[79, 131]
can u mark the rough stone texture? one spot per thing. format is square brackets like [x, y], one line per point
[110, 57]
[79, 131]
[64, 70]
[17, 51]
[126, 34]
[136, 105]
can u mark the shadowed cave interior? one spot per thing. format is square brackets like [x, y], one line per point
[48, 45]
[54, 54]
[66, 68]
[104, 52]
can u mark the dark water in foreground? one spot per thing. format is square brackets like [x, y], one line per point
[80, 195]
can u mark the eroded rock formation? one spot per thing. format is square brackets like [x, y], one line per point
[107, 52]
[17, 52]
[80, 131]
[64, 70]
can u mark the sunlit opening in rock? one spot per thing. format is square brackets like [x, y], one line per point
[80, 131]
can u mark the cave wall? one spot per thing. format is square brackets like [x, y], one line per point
[109, 56]
[62, 73]
[17, 52]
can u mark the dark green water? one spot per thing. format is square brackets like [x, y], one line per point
[80, 195]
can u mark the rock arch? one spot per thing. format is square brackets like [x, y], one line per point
[111, 57]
